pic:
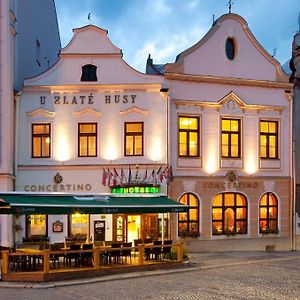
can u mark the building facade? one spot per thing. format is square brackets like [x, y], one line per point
[230, 135]
[92, 124]
[28, 34]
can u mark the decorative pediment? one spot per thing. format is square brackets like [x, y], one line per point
[40, 112]
[231, 103]
[87, 111]
[134, 109]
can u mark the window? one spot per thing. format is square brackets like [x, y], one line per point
[36, 225]
[134, 133]
[229, 214]
[78, 225]
[40, 140]
[87, 139]
[269, 139]
[188, 223]
[231, 138]
[188, 136]
[230, 49]
[89, 73]
[268, 213]
[38, 52]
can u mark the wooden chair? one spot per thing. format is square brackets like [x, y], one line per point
[136, 243]
[166, 251]
[73, 256]
[87, 257]
[115, 254]
[156, 252]
[126, 252]
[54, 258]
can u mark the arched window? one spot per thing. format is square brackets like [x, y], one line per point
[89, 73]
[268, 213]
[188, 223]
[229, 214]
[230, 49]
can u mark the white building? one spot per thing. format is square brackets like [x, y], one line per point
[230, 129]
[29, 44]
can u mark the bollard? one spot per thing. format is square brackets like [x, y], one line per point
[46, 260]
[180, 251]
[96, 258]
[141, 248]
[5, 261]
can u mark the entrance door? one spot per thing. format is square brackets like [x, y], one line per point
[133, 227]
[99, 231]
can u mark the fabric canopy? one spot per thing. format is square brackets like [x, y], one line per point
[33, 203]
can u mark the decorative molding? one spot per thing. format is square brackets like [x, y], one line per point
[231, 103]
[134, 109]
[189, 185]
[87, 111]
[40, 112]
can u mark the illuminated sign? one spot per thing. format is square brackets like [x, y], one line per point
[135, 190]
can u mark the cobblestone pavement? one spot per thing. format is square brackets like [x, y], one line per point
[211, 276]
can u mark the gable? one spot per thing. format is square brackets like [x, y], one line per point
[208, 56]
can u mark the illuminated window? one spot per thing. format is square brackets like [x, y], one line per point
[229, 214]
[231, 138]
[36, 225]
[89, 73]
[87, 139]
[40, 140]
[268, 213]
[134, 133]
[230, 49]
[188, 223]
[188, 138]
[269, 139]
[78, 225]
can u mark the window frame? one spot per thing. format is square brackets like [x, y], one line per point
[88, 135]
[268, 135]
[89, 73]
[40, 136]
[27, 224]
[234, 208]
[134, 134]
[188, 221]
[268, 219]
[230, 48]
[188, 131]
[230, 133]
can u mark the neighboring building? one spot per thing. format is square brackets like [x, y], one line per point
[295, 79]
[92, 124]
[230, 135]
[29, 44]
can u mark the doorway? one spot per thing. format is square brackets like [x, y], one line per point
[133, 227]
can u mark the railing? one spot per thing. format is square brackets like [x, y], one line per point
[97, 253]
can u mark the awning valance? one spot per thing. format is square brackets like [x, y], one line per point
[36, 203]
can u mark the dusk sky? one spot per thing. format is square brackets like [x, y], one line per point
[165, 28]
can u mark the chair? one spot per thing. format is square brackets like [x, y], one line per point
[126, 252]
[87, 257]
[18, 262]
[74, 256]
[136, 243]
[147, 250]
[54, 258]
[115, 254]
[166, 251]
[157, 251]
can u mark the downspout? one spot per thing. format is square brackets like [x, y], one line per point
[292, 176]
[16, 150]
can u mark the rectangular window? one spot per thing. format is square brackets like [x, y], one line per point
[268, 139]
[87, 139]
[188, 136]
[78, 225]
[40, 140]
[36, 225]
[134, 135]
[231, 138]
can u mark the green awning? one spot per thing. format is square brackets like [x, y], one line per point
[33, 203]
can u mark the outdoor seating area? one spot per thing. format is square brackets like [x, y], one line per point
[57, 257]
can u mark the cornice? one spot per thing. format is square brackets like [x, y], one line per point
[228, 80]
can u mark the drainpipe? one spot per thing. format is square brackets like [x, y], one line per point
[17, 113]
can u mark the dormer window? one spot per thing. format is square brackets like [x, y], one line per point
[89, 73]
[230, 48]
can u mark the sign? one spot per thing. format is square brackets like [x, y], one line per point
[99, 231]
[58, 226]
[136, 190]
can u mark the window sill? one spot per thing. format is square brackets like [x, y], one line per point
[269, 164]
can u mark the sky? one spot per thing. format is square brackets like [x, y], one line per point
[165, 28]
